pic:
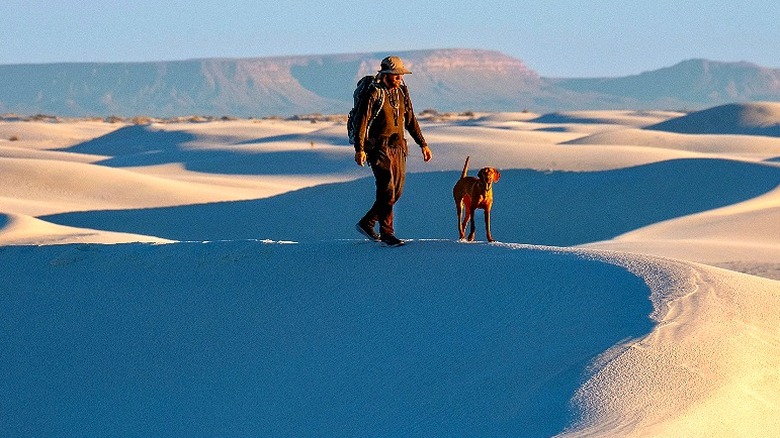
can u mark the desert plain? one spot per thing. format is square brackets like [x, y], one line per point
[203, 278]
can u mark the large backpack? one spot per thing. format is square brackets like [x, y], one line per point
[363, 90]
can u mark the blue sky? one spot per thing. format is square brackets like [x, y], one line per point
[570, 38]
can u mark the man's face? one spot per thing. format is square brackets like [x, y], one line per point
[392, 81]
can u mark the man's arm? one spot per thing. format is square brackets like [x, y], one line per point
[414, 128]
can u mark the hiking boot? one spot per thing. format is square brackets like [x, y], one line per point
[390, 240]
[367, 231]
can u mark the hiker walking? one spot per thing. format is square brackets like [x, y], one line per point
[381, 117]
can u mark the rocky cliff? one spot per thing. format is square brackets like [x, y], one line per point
[445, 80]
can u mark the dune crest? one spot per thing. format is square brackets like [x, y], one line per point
[16, 229]
[755, 118]
[706, 370]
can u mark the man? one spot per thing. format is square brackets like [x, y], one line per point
[379, 140]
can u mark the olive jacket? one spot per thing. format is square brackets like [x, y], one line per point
[386, 130]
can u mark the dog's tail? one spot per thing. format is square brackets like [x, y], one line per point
[465, 168]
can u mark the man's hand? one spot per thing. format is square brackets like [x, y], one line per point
[427, 154]
[360, 158]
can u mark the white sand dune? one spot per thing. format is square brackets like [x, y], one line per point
[623, 118]
[757, 118]
[618, 305]
[43, 135]
[737, 146]
[709, 368]
[53, 186]
[743, 236]
[25, 230]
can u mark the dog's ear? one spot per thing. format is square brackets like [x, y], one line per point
[483, 174]
[498, 175]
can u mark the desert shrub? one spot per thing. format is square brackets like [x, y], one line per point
[13, 138]
[313, 118]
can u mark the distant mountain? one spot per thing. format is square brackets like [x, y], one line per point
[211, 86]
[694, 83]
[445, 80]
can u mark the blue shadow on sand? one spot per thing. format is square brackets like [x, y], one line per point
[142, 145]
[249, 339]
[556, 208]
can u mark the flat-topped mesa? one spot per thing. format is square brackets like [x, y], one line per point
[443, 79]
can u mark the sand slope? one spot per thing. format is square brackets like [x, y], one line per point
[27, 230]
[599, 213]
[708, 369]
[756, 118]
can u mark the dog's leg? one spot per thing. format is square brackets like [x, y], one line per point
[487, 224]
[464, 223]
[466, 219]
[473, 229]
[461, 227]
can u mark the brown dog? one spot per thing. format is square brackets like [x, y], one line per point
[473, 193]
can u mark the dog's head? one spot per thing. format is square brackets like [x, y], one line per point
[489, 175]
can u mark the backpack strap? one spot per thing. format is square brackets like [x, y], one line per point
[377, 105]
[407, 100]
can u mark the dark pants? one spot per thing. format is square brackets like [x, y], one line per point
[389, 167]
